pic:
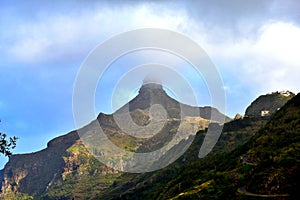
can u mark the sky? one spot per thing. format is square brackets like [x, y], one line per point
[253, 44]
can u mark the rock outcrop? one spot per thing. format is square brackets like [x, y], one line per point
[266, 105]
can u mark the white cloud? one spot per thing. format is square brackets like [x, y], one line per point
[268, 62]
[275, 57]
[267, 57]
[281, 41]
[60, 36]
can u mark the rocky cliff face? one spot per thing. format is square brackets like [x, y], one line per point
[67, 166]
[152, 93]
[31, 173]
[269, 103]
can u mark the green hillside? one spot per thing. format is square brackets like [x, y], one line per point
[267, 166]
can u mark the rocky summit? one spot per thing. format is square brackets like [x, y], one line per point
[266, 105]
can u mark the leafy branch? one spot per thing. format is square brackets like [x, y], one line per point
[7, 144]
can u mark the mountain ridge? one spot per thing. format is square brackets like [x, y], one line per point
[67, 170]
[65, 156]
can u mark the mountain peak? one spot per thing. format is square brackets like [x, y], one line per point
[151, 79]
[151, 83]
[151, 92]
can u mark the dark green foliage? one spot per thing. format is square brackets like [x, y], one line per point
[7, 144]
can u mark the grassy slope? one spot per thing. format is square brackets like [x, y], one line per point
[267, 164]
[272, 164]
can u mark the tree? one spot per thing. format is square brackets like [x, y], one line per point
[6, 145]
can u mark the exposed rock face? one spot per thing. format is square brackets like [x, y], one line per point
[66, 161]
[153, 93]
[268, 104]
[31, 173]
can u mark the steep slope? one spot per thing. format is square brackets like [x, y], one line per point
[267, 166]
[274, 154]
[65, 169]
[154, 185]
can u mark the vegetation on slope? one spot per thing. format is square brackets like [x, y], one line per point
[266, 166]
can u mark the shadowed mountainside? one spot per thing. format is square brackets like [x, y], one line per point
[267, 166]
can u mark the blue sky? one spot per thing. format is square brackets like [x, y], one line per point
[255, 46]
